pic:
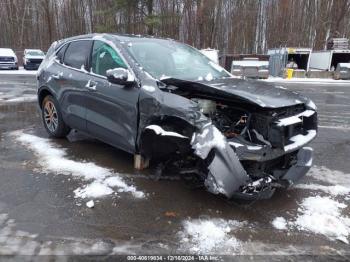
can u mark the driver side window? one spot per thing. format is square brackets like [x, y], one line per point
[104, 57]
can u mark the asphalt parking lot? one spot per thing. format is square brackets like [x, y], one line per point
[41, 212]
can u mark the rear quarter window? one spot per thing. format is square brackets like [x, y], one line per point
[60, 53]
[77, 53]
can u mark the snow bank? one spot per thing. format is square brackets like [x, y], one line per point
[53, 159]
[210, 236]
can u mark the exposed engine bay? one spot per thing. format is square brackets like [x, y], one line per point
[245, 149]
[229, 120]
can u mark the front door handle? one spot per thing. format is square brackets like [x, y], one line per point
[56, 76]
[91, 85]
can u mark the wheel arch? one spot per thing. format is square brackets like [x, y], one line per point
[151, 144]
[42, 93]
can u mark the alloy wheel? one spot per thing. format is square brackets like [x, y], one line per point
[50, 116]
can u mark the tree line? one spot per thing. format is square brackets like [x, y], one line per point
[232, 26]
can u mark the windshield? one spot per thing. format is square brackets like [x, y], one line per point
[33, 53]
[170, 59]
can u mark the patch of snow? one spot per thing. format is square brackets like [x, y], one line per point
[90, 204]
[148, 88]
[208, 140]
[216, 66]
[333, 177]
[261, 103]
[300, 140]
[319, 215]
[318, 81]
[280, 223]
[210, 236]
[94, 190]
[281, 87]
[20, 71]
[23, 98]
[254, 147]
[53, 159]
[322, 215]
[82, 68]
[209, 77]
[235, 144]
[294, 119]
[332, 190]
[163, 77]
[160, 131]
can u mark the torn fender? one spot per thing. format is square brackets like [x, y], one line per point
[226, 174]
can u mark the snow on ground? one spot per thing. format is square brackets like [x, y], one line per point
[51, 158]
[17, 242]
[210, 236]
[280, 223]
[332, 190]
[21, 71]
[327, 175]
[319, 215]
[322, 215]
[22, 98]
[334, 182]
[325, 81]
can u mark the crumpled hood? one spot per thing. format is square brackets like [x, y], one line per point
[259, 92]
[263, 94]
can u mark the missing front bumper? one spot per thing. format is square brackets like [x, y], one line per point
[303, 165]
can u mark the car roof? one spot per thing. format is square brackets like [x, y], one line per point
[109, 36]
[28, 50]
[120, 37]
[7, 51]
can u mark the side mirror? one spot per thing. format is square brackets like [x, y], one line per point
[120, 76]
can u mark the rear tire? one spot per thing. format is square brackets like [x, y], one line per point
[52, 118]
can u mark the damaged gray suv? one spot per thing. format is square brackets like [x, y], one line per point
[164, 101]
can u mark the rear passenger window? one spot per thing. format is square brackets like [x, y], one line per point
[76, 53]
[104, 57]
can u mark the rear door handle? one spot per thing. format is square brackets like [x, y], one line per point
[91, 85]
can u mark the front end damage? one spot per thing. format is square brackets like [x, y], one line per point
[244, 150]
[230, 173]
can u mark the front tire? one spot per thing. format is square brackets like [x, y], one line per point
[52, 118]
